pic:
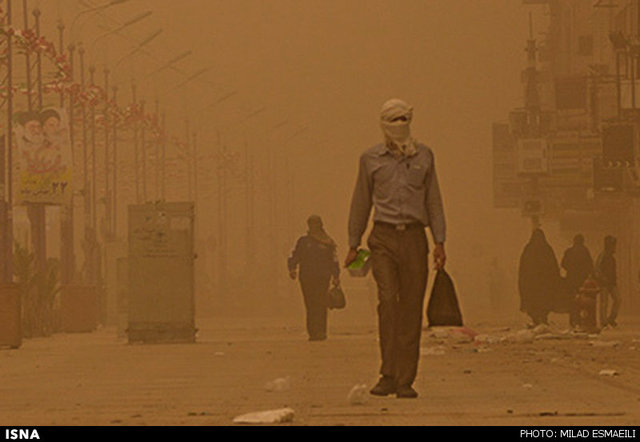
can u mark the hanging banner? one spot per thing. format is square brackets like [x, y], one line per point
[42, 157]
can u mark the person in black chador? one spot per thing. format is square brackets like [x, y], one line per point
[538, 278]
[578, 264]
[315, 254]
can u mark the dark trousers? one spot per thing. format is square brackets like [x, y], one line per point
[611, 291]
[315, 291]
[399, 260]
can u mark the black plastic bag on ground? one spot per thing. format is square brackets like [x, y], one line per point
[443, 308]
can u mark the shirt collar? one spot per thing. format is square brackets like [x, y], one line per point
[383, 149]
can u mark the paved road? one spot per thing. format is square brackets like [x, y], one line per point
[98, 379]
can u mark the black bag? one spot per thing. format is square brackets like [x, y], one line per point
[336, 298]
[443, 308]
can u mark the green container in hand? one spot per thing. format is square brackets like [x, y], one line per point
[360, 266]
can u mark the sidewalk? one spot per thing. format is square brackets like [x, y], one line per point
[98, 379]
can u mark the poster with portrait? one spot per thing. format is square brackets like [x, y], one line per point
[43, 161]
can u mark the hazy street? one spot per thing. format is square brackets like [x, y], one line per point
[98, 379]
[191, 191]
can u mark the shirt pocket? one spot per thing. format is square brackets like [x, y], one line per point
[416, 175]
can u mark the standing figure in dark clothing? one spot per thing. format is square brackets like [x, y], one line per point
[606, 276]
[315, 254]
[538, 278]
[578, 264]
[397, 178]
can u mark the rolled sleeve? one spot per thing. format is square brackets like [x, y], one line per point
[294, 258]
[361, 203]
[434, 206]
[335, 266]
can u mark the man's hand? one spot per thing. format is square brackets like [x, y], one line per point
[439, 257]
[351, 256]
[293, 274]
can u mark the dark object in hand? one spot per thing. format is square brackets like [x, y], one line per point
[443, 308]
[336, 298]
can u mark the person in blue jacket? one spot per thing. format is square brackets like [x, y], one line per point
[314, 262]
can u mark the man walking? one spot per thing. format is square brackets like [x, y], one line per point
[578, 264]
[398, 178]
[606, 275]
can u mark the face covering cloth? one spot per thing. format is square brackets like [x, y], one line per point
[395, 121]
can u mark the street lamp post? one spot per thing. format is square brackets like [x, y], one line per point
[89, 234]
[35, 211]
[156, 190]
[107, 198]
[7, 251]
[115, 168]
[36, 15]
[67, 243]
[137, 49]
[126, 24]
[92, 116]
[90, 10]
[169, 64]
[135, 141]
[143, 148]
[25, 10]
[164, 152]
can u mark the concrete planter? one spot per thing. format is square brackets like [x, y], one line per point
[79, 309]
[10, 316]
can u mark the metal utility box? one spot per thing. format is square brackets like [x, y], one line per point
[161, 304]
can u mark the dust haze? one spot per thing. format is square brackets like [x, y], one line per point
[202, 135]
[306, 81]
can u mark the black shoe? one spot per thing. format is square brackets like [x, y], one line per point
[317, 338]
[385, 386]
[406, 392]
[612, 323]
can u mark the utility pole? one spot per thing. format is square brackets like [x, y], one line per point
[67, 252]
[143, 148]
[89, 234]
[92, 116]
[195, 169]
[92, 246]
[115, 168]
[222, 215]
[164, 151]
[273, 217]
[7, 198]
[36, 15]
[190, 160]
[532, 105]
[72, 101]
[35, 211]
[135, 141]
[156, 119]
[107, 197]
[250, 224]
[25, 10]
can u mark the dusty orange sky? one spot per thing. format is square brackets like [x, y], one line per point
[326, 67]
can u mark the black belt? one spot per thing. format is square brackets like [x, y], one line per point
[400, 227]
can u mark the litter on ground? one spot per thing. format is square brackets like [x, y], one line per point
[278, 416]
[358, 395]
[280, 384]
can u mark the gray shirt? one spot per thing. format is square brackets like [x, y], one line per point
[402, 189]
